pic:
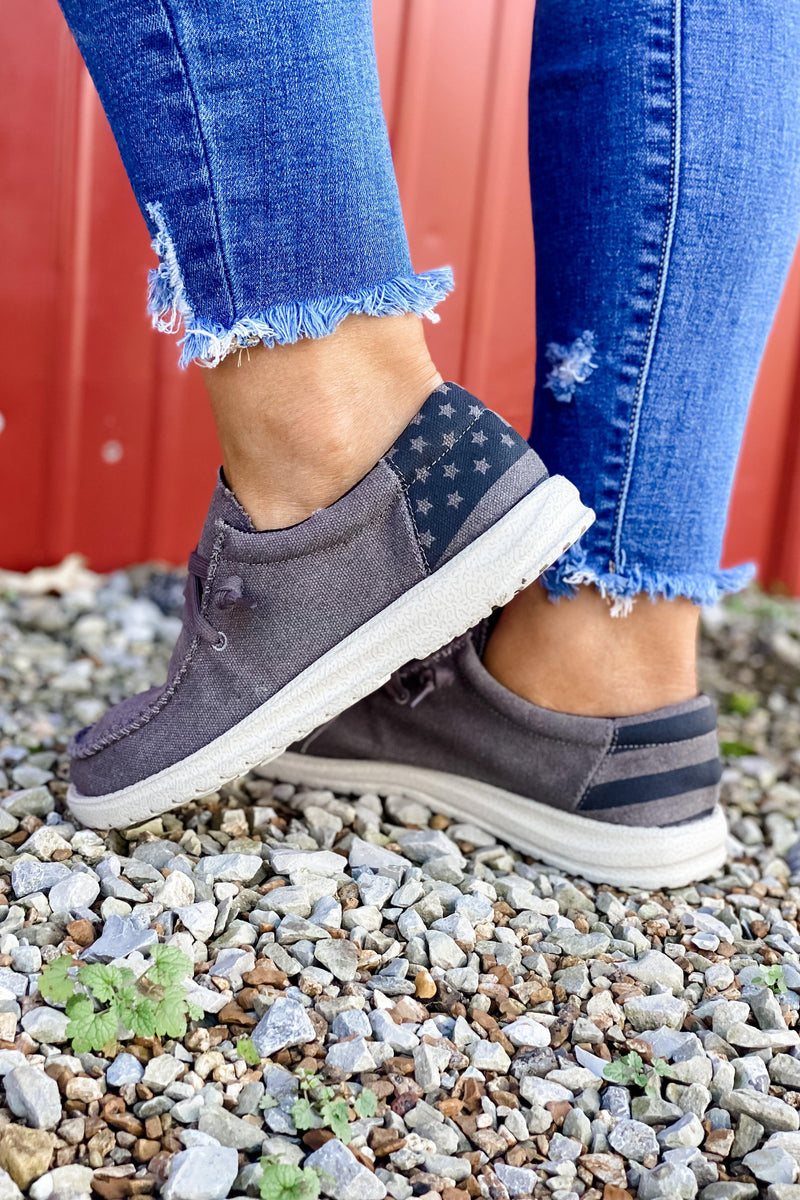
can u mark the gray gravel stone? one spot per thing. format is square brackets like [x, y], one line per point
[285, 1024]
[29, 875]
[34, 1096]
[341, 1174]
[78, 890]
[633, 1139]
[120, 937]
[201, 1173]
[771, 1164]
[769, 1111]
[124, 1069]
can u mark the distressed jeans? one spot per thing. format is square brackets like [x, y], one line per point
[665, 173]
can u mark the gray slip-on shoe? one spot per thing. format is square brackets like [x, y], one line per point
[631, 801]
[284, 629]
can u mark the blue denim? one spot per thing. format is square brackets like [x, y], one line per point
[665, 170]
[254, 138]
[665, 178]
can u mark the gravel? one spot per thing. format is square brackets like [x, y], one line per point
[371, 949]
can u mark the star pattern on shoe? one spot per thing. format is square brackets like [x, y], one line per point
[463, 443]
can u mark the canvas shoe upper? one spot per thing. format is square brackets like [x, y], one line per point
[632, 800]
[285, 628]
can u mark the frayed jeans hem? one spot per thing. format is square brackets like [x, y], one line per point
[209, 344]
[621, 589]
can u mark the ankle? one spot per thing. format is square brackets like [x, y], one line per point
[575, 657]
[299, 425]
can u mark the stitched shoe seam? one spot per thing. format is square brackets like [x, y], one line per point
[593, 771]
[341, 540]
[404, 490]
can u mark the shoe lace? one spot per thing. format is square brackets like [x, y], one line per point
[229, 593]
[415, 681]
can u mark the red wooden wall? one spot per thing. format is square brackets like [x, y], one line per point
[106, 448]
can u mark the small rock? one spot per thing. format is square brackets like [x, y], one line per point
[285, 1024]
[201, 1173]
[79, 890]
[72, 1182]
[25, 1153]
[341, 1174]
[633, 1139]
[772, 1164]
[124, 1069]
[34, 1096]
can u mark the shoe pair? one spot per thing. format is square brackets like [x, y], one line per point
[326, 637]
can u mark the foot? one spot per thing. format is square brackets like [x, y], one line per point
[285, 628]
[630, 801]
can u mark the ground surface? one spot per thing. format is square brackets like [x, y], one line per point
[454, 1004]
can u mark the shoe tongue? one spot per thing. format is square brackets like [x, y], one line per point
[224, 507]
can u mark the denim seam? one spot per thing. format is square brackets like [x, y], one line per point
[655, 312]
[201, 138]
[116, 735]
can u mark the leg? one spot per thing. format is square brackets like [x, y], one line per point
[266, 179]
[665, 170]
[666, 194]
[377, 512]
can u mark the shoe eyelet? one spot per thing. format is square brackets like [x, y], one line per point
[221, 643]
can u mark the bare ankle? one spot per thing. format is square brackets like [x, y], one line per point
[299, 425]
[575, 657]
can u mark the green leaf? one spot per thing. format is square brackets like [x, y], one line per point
[90, 1030]
[742, 703]
[103, 981]
[735, 749]
[168, 965]
[285, 1181]
[335, 1115]
[246, 1050]
[660, 1066]
[617, 1072]
[170, 1012]
[302, 1113]
[139, 1016]
[196, 1013]
[366, 1104]
[54, 982]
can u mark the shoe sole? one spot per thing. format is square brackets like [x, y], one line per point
[626, 856]
[511, 554]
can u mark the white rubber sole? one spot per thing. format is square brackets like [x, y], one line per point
[623, 855]
[485, 575]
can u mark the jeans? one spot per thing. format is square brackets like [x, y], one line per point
[665, 172]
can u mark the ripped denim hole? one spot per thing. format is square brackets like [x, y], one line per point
[572, 365]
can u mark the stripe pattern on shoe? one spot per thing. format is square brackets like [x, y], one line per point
[681, 746]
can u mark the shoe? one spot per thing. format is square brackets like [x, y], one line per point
[631, 801]
[284, 629]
